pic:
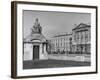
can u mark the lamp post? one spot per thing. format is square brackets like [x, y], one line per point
[70, 39]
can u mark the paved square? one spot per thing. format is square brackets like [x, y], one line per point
[53, 64]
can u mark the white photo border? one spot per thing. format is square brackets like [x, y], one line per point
[50, 71]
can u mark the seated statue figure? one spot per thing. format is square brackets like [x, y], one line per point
[36, 28]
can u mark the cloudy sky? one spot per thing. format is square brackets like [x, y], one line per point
[53, 23]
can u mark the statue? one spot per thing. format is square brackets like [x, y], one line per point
[36, 27]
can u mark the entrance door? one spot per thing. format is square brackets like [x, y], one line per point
[35, 52]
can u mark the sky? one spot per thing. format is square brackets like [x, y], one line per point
[53, 23]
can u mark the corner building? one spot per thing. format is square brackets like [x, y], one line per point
[81, 38]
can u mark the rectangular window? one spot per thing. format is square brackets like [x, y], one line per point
[42, 48]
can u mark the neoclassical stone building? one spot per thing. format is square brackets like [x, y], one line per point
[81, 39]
[61, 42]
[35, 44]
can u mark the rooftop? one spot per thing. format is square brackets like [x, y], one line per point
[63, 35]
[81, 25]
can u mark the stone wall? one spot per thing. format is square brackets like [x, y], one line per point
[72, 57]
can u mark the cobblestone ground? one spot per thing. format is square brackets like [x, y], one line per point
[53, 64]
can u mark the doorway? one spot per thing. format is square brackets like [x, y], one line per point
[35, 52]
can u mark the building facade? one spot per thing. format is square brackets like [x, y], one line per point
[61, 43]
[81, 38]
[35, 44]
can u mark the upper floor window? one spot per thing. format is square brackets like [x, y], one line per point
[82, 37]
[74, 37]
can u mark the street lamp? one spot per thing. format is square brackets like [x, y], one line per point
[70, 39]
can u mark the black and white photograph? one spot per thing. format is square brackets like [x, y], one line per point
[56, 39]
[53, 39]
